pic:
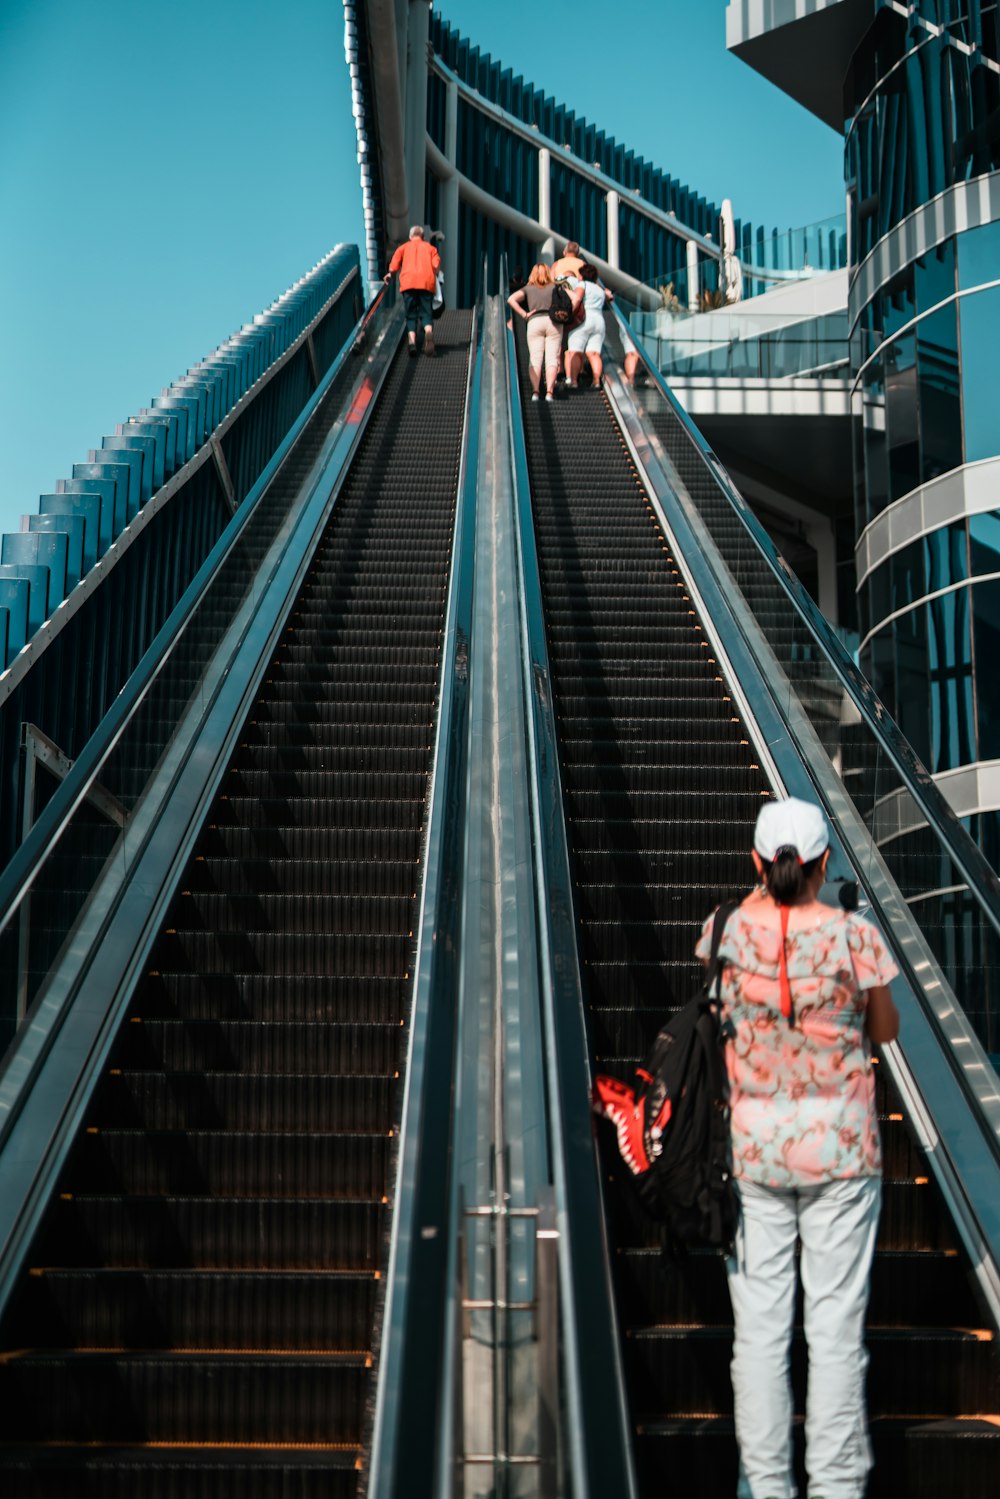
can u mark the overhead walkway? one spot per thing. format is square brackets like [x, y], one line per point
[406, 821]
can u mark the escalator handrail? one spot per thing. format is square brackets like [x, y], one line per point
[408, 1421]
[600, 1450]
[980, 877]
[17, 877]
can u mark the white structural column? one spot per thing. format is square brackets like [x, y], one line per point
[418, 38]
[529, 228]
[614, 256]
[548, 250]
[692, 267]
[449, 194]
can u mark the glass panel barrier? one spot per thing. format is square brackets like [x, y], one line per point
[737, 341]
[59, 890]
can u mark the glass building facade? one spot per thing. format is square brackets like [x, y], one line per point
[922, 149]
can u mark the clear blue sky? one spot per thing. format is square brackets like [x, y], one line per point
[167, 170]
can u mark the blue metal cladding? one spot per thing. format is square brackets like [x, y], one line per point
[77, 669]
[506, 166]
[586, 141]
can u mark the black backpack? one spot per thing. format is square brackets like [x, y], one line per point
[561, 307]
[673, 1121]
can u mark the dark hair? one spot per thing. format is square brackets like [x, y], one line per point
[785, 877]
[587, 272]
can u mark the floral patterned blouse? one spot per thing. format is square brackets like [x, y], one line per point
[802, 1090]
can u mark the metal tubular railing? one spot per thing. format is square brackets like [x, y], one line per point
[160, 751]
[596, 1435]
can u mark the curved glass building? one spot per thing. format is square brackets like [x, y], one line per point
[917, 89]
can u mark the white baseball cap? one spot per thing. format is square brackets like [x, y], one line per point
[791, 824]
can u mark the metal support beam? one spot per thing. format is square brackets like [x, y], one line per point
[535, 233]
[222, 470]
[449, 191]
[613, 200]
[39, 749]
[545, 202]
[389, 113]
[311, 356]
[417, 55]
[692, 271]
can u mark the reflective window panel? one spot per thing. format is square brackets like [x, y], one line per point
[980, 330]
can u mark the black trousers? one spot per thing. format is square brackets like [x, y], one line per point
[418, 309]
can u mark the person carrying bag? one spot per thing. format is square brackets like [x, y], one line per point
[804, 993]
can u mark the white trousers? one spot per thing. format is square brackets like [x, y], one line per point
[836, 1225]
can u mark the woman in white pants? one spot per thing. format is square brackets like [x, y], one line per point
[532, 302]
[805, 993]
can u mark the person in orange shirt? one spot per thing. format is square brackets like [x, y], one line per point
[418, 264]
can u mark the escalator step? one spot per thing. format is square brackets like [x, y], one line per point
[213, 1232]
[279, 952]
[81, 1397]
[685, 1371]
[237, 1101]
[290, 997]
[315, 1472]
[652, 1291]
[260, 1047]
[194, 1311]
[230, 1162]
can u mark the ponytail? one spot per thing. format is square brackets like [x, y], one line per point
[786, 878]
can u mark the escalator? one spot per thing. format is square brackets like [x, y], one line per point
[661, 787]
[201, 1311]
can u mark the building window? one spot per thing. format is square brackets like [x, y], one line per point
[901, 415]
[934, 276]
[945, 557]
[979, 256]
[980, 326]
[938, 393]
[984, 543]
[913, 712]
[986, 633]
[949, 654]
[906, 573]
[876, 472]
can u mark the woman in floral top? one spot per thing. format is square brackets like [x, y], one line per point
[805, 993]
